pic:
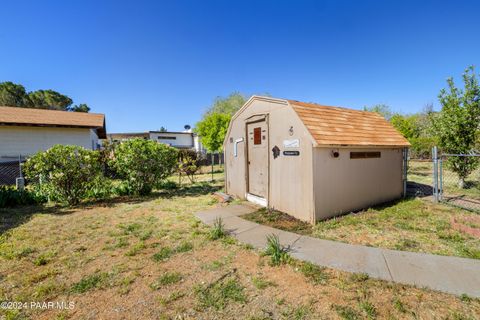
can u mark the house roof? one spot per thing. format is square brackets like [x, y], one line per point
[126, 135]
[53, 118]
[341, 126]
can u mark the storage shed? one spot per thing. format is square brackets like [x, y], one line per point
[312, 161]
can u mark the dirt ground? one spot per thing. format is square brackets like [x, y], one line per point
[151, 259]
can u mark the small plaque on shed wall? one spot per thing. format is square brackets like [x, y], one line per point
[291, 153]
[292, 143]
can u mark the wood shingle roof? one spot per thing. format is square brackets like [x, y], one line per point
[341, 126]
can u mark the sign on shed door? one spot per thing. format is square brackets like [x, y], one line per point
[257, 158]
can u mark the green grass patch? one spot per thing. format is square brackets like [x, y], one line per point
[359, 277]
[314, 273]
[279, 220]
[90, 282]
[277, 253]
[166, 279]
[218, 229]
[262, 283]
[135, 249]
[163, 255]
[185, 246]
[172, 297]
[369, 309]
[218, 295]
[346, 312]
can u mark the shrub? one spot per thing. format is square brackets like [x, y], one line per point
[143, 164]
[10, 197]
[100, 188]
[167, 185]
[63, 173]
[188, 164]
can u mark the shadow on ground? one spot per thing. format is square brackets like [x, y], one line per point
[13, 217]
[415, 189]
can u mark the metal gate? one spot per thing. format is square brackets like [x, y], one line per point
[456, 179]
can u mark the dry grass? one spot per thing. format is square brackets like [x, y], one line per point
[409, 225]
[151, 259]
[279, 220]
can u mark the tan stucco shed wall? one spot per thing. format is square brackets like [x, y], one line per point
[343, 184]
[291, 177]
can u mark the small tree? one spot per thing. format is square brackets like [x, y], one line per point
[212, 129]
[187, 164]
[227, 105]
[457, 124]
[143, 163]
[64, 173]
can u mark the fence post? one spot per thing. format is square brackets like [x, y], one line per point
[405, 171]
[435, 174]
[20, 181]
[440, 185]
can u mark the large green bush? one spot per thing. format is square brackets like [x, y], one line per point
[64, 173]
[143, 164]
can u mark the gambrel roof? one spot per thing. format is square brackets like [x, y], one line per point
[336, 126]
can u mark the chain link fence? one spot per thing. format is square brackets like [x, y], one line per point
[452, 189]
[439, 178]
[420, 178]
[9, 172]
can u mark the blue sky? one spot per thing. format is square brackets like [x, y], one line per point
[147, 64]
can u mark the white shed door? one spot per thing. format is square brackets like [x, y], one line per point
[257, 158]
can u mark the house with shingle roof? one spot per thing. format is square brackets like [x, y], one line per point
[313, 161]
[25, 131]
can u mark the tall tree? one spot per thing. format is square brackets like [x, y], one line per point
[13, 95]
[82, 107]
[457, 124]
[49, 99]
[228, 105]
[212, 129]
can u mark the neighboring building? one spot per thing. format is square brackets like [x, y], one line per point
[117, 137]
[180, 140]
[311, 161]
[25, 131]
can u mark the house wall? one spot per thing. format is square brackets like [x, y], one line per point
[343, 184]
[178, 140]
[25, 141]
[290, 187]
[198, 146]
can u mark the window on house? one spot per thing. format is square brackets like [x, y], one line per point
[257, 135]
[166, 138]
[365, 155]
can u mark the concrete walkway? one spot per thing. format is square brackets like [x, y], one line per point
[448, 274]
